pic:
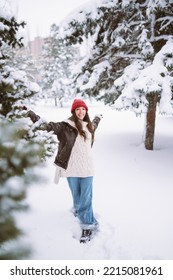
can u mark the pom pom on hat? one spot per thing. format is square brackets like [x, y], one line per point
[78, 103]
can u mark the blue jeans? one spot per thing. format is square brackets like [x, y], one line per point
[81, 189]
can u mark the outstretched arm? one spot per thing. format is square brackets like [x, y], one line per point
[49, 126]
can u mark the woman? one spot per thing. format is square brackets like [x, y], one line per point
[74, 161]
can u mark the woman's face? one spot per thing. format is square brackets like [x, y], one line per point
[80, 113]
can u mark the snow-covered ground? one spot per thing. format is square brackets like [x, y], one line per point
[133, 191]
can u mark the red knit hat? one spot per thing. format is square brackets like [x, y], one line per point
[78, 103]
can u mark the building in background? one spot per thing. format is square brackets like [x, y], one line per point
[35, 47]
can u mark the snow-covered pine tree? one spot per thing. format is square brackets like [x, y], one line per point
[18, 157]
[118, 34]
[21, 59]
[58, 61]
[109, 31]
[145, 89]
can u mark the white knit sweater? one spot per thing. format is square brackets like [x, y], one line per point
[81, 161]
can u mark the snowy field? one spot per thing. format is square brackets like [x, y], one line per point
[133, 192]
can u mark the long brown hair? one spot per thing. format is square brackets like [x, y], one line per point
[78, 125]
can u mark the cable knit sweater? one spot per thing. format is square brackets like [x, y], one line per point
[81, 161]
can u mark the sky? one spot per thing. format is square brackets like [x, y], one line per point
[132, 194]
[40, 15]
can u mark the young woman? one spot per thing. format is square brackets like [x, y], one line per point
[74, 161]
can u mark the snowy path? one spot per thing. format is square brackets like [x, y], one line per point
[132, 197]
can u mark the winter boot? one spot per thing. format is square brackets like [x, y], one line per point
[86, 235]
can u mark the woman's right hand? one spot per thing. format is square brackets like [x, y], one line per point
[33, 116]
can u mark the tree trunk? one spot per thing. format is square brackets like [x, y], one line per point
[150, 120]
[56, 104]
